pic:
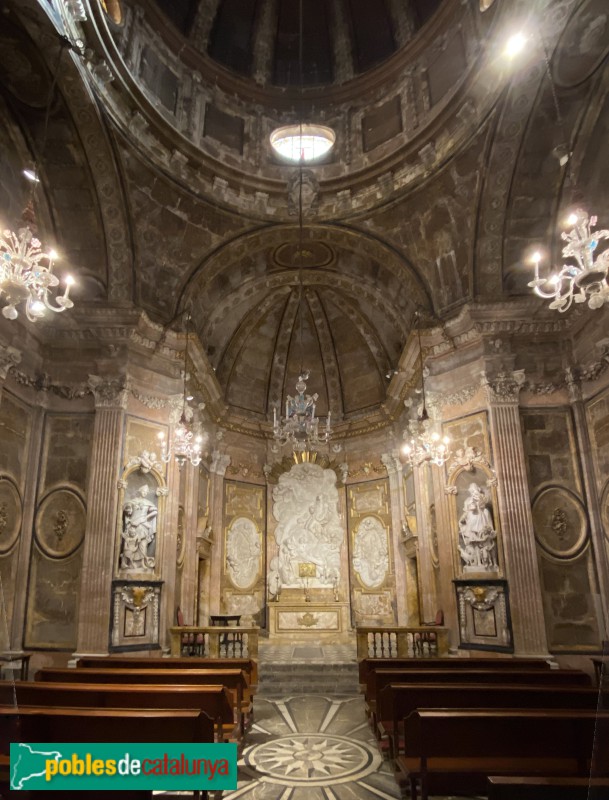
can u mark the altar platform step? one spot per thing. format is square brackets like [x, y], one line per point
[308, 670]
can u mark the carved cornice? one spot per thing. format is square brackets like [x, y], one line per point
[504, 388]
[42, 383]
[109, 392]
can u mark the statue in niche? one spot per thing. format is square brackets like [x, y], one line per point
[309, 531]
[477, 537]
[139, 532]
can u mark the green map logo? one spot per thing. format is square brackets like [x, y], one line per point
[122, 766]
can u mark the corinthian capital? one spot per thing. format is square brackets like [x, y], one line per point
[503, 388]
[9, 357]
[109, 392]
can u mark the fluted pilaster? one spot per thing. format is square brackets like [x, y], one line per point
[515, 513]
[95, 591]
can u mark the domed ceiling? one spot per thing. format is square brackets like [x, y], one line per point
[260, 38]
[266, 308]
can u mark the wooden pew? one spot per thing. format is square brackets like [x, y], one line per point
[248, 665]
[547, 788]
[367, 665]
[379, 678]
[31, 724]
[213, 700]
[233, 679]
[454, 751]
[397, 701]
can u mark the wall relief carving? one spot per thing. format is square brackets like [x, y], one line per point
[60, 523]
[135, 615]
[243, 552]
[309, 530]
[10, 514]
[561, 526]
[370, 552]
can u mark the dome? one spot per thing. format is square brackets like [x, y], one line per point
[260, 38]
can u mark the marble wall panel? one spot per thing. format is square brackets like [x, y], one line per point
[371, 567]
[52, 605]
[142, 436]
[67, 445]
[243, 550]
[15, 423]
[598, 426]
[14, 435]
[470, 431]
[550, 447]
[570, 605]
[561, 528]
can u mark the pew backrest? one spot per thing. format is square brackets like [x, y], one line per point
[367, 665]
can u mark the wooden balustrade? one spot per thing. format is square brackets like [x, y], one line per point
[214, 642]
[397, 642]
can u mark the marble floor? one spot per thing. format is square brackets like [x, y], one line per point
[311, 747]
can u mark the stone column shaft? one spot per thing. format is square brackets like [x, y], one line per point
[218, 467]
[191, 556]
[97, 568]
[394, 471]
[514, 500]
[428, 601]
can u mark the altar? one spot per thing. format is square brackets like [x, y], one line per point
[319, 621]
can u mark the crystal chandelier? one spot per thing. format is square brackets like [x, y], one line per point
[426, 444]
[26, 268]
[300, 426]
[184, 446]
[586, 279]
[26, 275]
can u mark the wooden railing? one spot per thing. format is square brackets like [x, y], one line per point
[214, 642]
[419, 642]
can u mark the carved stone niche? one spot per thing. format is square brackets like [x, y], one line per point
[135, 615]
[484, 615]
[142, 493]
[471, 486]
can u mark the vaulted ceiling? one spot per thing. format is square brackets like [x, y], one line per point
[160, 189]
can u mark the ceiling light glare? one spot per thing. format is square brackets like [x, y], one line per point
[302, 143]
[515, 44]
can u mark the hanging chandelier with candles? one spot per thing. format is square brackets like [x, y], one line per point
[26, 267]
[300, 426]
[426, 445]
[184, 446]
[583, 276]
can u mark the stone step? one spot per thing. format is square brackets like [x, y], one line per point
[308, 678]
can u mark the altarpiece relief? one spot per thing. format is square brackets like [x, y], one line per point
[309, 530]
